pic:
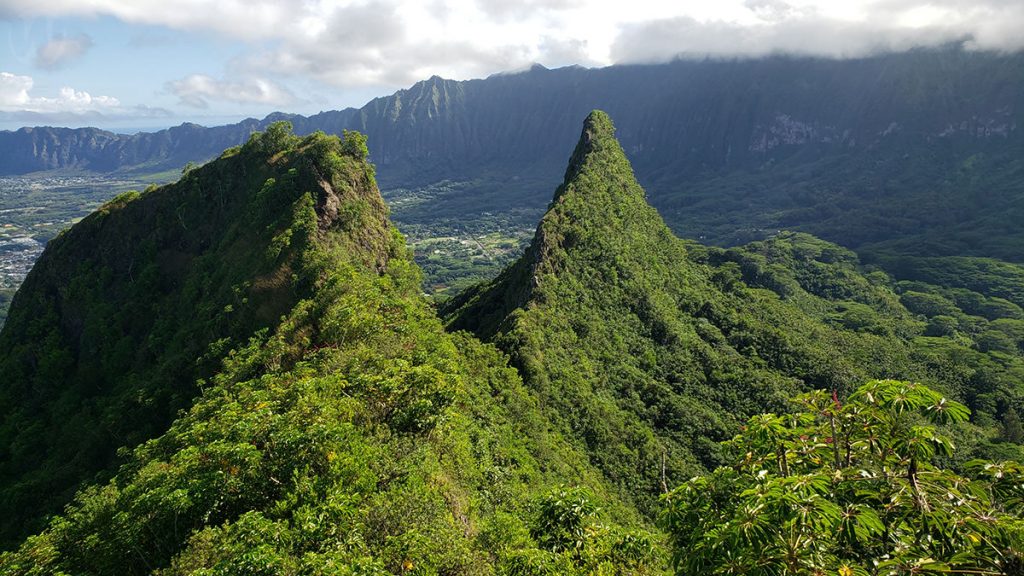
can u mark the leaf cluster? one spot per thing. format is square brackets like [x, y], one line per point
[853, 487]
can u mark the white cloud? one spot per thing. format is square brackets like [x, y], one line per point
[518, 9]
[348, 43]
[771, 10]
[355, 43]
[14, 90]
[390, 44]
[197, 90]
[61, 50]
[68, 106]
[238, 18]
[563, 52]
[15, 95]
[818, 29]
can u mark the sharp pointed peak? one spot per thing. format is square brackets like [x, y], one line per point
[598, 214]
[598, 131]
[599, 123]
[597, 142]
[598, 136]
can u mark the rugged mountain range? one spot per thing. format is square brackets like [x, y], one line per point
[48, 148]
[913, 151]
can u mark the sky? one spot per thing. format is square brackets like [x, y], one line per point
[129, 65]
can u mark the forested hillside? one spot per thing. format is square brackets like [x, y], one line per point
[288, 401]
[898, 156]
[650, 350]
[128, 309]
[349, 433]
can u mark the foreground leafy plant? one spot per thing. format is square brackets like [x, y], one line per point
[851, 488]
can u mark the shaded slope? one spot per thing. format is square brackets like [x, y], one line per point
[358, 437]
[355, 434]
[126, 310]
[649, 350]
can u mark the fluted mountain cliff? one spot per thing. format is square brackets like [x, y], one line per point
[899, 150]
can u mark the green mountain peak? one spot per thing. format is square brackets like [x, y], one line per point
[128, 309]
[598, 214]
[649, 351]
[329, 422]
[598, 163]
[603, 296]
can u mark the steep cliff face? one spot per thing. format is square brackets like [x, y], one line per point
[334, 424]
[36, 149]
[878, 152]
[46, 148]
[686, 114]
[648, 350]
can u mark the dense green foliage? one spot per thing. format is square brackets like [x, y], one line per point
[992, 278]
[649, 350]
[355, 436]
[858, 487]
[956, 339]
[914, 153]
[917, 151]
[33, 210]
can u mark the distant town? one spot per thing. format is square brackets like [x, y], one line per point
[37, 208]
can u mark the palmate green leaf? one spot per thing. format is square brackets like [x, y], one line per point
[901, 567]
[816, 402]
[892, 511]
[805, 484]
[826, 515]
[869, 394]
[947, 411]
[860, 524]
[753, 527]
[901, 398]
[765, 429]
[1004, 479]
[922, 443]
